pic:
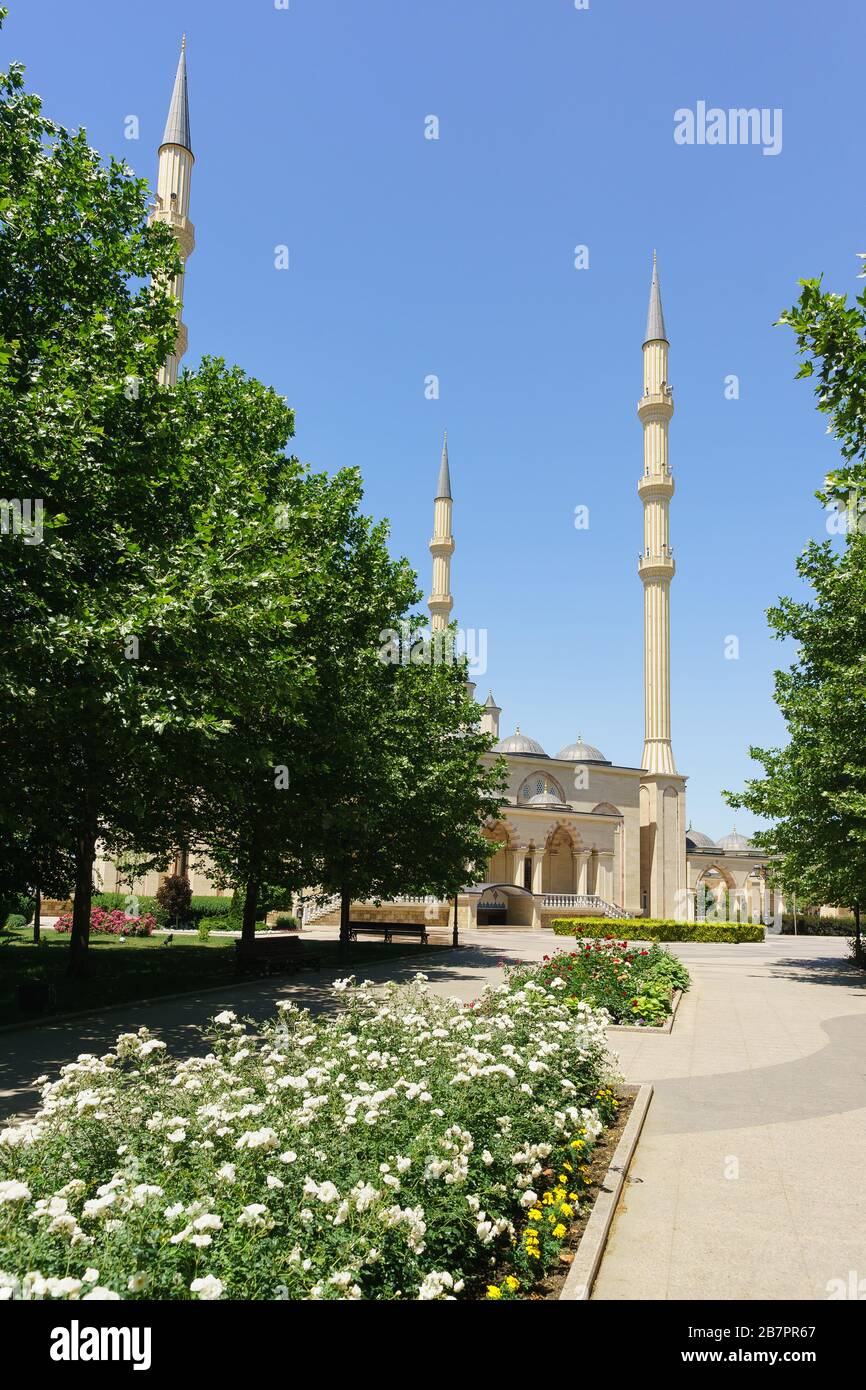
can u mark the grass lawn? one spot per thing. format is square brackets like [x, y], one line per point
[143, 967]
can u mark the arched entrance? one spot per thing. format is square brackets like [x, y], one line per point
[498, 868]
[715, 891]
[557, 874]
[503, 905]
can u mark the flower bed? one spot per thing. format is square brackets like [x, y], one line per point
[402, 1149]
[644, 929]
[635, 986]
[115, 923]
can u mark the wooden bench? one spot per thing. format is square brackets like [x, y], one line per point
[388, 930]
[271, 953]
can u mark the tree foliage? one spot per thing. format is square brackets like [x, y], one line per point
[814, 789]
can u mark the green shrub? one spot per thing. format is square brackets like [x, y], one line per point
[635, 984]
[17, 904]
[120, 902]
[210, 907]
[202, 905]
[203, 929]
[648, 929]
[14, 921]
[216, 923]
[285, 922]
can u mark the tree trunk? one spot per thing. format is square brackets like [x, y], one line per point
[37, 914]
[345, 913]
[85, 854]
[251, 903]
[858, 939]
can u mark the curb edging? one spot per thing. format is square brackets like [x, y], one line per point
[588, 1256]
[665, 1027]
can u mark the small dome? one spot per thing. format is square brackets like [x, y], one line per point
[734, 841]
[519, 743]
[580, 752]
[695, 839]
[544, 799]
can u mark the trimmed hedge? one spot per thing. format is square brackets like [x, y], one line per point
[647, 929]
[200, 906]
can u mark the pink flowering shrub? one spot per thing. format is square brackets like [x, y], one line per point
[114, 923]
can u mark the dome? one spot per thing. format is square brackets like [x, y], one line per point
[544, 799]
[734, 841]
[580, 752]
[695, 839]
[520, 743]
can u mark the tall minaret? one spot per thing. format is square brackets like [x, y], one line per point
[440, 601]
[172, 199]
[656, 564]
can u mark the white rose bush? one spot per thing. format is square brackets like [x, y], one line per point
[409, 1147]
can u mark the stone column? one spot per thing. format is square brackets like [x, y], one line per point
[606, 871]
[583, 867]
[537, 869]
[519, 856]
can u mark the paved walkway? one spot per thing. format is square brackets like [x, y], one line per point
[748, 1179]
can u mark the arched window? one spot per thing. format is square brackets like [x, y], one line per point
[539, 783]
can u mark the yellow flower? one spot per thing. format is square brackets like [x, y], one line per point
[493, 1291]
[566, 1209]
[559, 1231]
[568, 1168]
[512, 1283]
[535, 1214]
[547, 1199]
[562, 1178]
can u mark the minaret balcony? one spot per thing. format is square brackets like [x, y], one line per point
[183, 229]
[656, 405]
[655, 485]
[442, 545]
[657, 566]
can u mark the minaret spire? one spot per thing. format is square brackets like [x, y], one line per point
[490, 716]
[656, 564]
[655, 319]
[440, 601]
[172, 198]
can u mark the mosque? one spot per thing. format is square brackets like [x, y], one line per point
[578, 834]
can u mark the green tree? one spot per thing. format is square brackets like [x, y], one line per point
[135, 621]
[814, 789]
[405, 798]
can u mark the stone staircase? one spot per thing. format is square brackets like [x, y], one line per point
[587, 903]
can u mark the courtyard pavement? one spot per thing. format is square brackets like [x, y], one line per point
[748, 1178]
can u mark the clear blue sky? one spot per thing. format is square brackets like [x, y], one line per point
[455, 257]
